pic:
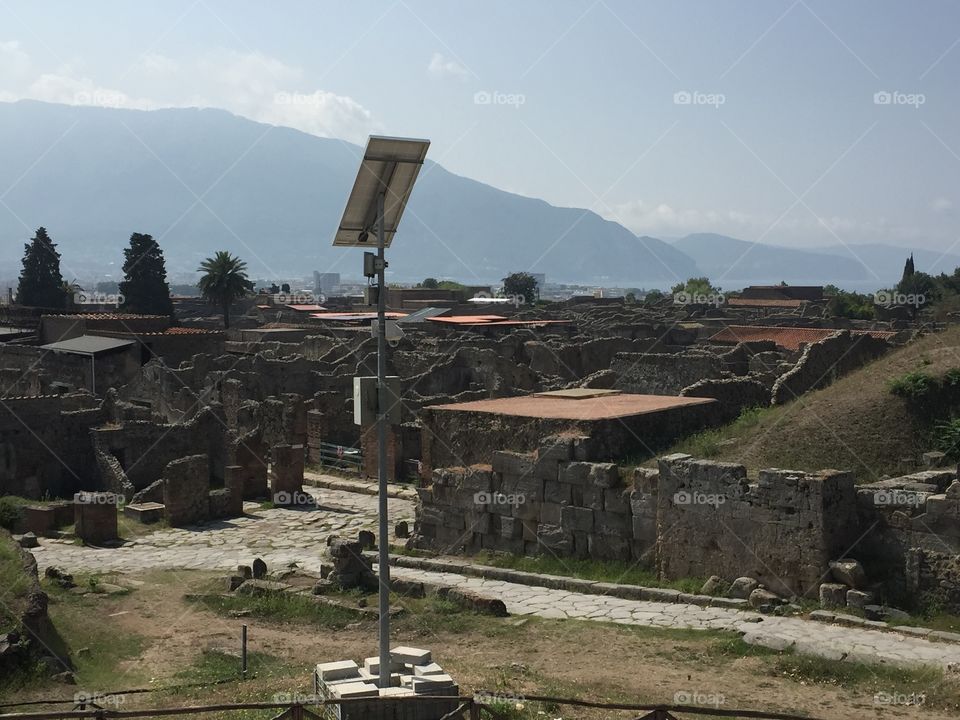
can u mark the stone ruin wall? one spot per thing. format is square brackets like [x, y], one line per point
[782, 530]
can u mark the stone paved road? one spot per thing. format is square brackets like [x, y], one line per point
[283, 536]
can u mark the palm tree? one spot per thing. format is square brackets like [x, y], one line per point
[224, 280]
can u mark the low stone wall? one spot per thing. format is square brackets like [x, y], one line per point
[823, 362]
[733, 395]
[663, 374]
[689, 519]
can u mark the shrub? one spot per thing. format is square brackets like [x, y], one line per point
[915, 385]
[10, 513]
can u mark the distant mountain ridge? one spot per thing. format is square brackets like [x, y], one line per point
[202, 180]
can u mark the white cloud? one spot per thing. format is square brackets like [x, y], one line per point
[440, 66]
[941, 204]
[253, 85]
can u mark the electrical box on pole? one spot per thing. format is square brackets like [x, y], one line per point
[365, 396]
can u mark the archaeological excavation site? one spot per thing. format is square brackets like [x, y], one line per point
[438, 360]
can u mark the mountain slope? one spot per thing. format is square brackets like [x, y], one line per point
[202, 180]
[887, 261]
[733, 263]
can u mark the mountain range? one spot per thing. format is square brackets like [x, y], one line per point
[201, 180]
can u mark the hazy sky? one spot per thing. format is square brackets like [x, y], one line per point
[800, 123]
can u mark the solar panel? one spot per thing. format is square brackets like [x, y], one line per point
[388, 162]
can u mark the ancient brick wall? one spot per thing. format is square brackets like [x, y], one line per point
[186, 490]
[823, 362]
[663, 374]
[689, 519]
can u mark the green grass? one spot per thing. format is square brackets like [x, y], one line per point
[213, 666]
[282, 608]
[709, 443]
[599, 570]
[926, 681]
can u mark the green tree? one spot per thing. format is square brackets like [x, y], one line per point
[430, 283]
[144, 286]
[908, 270]
[521, 284]
[700, 286]
[224, 280]
[41, 284]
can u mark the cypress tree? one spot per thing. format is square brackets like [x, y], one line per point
[40, 283]
[144, 286]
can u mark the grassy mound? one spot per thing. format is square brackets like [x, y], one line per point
[856, 424]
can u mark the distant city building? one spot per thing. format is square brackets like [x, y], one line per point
[324, 283]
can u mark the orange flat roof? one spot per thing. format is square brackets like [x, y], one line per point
[561, 408]
[789, 338]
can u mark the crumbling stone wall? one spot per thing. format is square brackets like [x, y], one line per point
[733, 395]
[782, 530]
[823, 362]
[186, 490]
[688, 519]
[663, 374]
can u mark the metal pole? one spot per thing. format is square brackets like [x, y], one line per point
[382, 406]
[243, 651]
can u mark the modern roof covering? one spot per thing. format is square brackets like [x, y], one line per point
[605, 407]
[306, 308]
[353, 316]
[110, 316]
[492, 321]
[88, 345]
[790, 338]
[757, 302]
[423, 314]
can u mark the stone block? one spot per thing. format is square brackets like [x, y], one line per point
[858, 599]
[612, 523]
[576, 519]
[95, 517]
[833, 596]
[608, 547]
[410, 655]
[550, 513]
[149, 512]
[512, 463]
[742, 587]
[849, 572]
[616, 500]
[340, 670]
[39, 519]
[511, 527]
[555, 539]
[556, 492]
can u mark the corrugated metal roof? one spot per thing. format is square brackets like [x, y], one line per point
[88, 345]
[790, 338]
